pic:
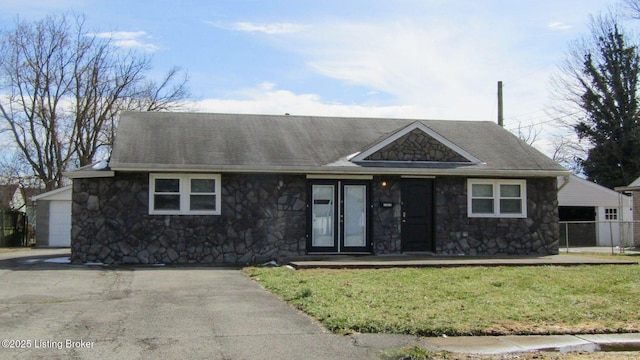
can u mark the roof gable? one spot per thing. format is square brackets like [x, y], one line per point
[416, 143]
[166, 141]
[576, 191]
[63, 193]
[635, 182]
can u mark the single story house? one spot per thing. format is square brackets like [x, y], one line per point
[53, 213]
[235, 188]
[593, 215]
[634, 190]
[11, 197]
[17, 214]
[17, 198]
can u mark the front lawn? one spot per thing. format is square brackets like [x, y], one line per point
[464, 301]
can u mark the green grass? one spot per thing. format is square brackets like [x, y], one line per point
[464, 301]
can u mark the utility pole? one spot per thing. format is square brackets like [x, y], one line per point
[500, 110]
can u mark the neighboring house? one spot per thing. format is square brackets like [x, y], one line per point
[594, 215]
[12, 197]
[232, 188]
[17, 215]
[634, 190]
[17, 198]
[7, 195]
[53, 211]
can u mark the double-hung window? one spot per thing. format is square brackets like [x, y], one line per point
[184, 194]
[497, 198]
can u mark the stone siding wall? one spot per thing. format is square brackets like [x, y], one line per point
[263, 217]
[457, 234]
[387, 221]
[417, 146]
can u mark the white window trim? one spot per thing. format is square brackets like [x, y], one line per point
[496, 197]
[185, 192]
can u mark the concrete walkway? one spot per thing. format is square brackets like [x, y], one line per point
[606, 250]
[369, 261]
[195, 312]
[510, 344]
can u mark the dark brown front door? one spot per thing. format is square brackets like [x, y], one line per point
[417, 215]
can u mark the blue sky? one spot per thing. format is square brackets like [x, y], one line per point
[432, 59]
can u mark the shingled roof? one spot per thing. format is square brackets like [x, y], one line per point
[166, 141]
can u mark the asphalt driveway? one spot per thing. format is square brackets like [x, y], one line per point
[52, 310]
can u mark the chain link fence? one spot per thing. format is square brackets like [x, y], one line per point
[616, 234]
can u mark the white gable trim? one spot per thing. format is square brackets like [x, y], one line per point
[63, 193]
[398, 134]
[577, 191]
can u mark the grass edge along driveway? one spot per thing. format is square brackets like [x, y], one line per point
[464, 301]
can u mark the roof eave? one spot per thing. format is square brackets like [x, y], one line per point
[51, 193]
[626, 188]
[467, 171]
[84, 174]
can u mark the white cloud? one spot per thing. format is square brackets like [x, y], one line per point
[268, 28]
[558, 25]
[129, 40]
[433, 68]
[267, 99]
[443, 66]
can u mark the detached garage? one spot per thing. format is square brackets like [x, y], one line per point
[53, 216]
[593, 215]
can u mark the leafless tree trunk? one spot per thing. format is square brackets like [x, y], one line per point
[62, 88]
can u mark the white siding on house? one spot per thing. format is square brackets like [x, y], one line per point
[580, 192]
[575, 191]
[55, 208]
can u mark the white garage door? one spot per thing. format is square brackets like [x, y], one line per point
[60, 223]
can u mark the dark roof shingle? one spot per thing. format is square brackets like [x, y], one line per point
[236, 142]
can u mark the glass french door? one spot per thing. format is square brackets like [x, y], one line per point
[338, 216]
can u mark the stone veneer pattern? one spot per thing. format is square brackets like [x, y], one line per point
[458, 234]
[263, 217]
[417, 146]
[387, 221]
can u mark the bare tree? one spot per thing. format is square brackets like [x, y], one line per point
[601, 81]
[62, 89]
[633, 7]
[567, 150]
[528, 133]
